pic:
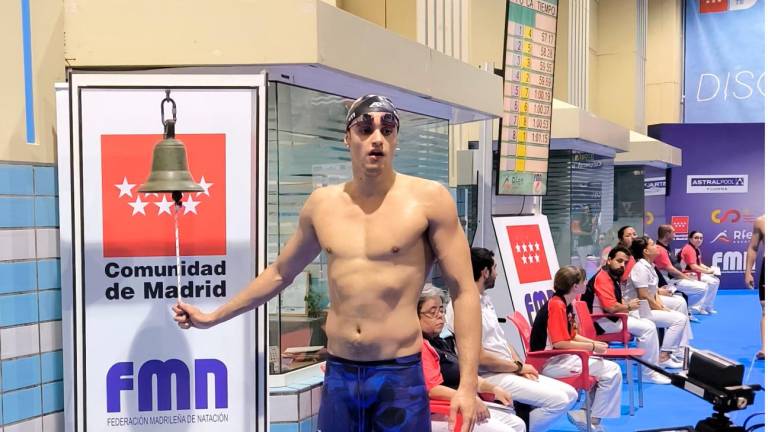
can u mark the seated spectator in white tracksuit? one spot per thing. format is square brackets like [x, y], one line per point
[666, 262]
[644, 284]
[690, 256]
[555, 327]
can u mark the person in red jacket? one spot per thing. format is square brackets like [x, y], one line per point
[604, 295]
[441, 370]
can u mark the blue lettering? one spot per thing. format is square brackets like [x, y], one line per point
[120, 378]
[529, 307]
[219, 370]
[117, 383]
[163, 372]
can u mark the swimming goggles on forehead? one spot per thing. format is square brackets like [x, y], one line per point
[388, 120]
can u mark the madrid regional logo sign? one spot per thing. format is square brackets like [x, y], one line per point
[142, 225]
[528, 252]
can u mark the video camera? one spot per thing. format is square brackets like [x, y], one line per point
[717, 380]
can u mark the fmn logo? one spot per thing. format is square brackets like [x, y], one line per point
[528, 252]
[139, 225]
[155, 384]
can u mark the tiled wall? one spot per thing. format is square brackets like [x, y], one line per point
[31, 387]
[295, 408]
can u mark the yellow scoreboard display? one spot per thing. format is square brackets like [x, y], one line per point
[529, 67]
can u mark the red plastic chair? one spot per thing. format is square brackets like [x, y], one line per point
[587, 329]
[441, 406]
[582, 381]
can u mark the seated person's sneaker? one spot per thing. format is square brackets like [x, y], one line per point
[578, 418]
[698, 311]
[657, 378]
[671, 363]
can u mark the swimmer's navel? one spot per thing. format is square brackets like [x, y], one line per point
[395, 249]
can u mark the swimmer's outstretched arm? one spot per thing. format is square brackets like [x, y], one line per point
[452, 252]
[300, 250]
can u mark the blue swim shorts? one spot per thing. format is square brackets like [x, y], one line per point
[374, 396]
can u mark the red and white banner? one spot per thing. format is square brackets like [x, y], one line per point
[529, 260]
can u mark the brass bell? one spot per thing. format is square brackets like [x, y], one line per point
[170, 171]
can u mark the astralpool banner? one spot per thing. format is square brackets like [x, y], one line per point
[724, 61]
[718, 190]
[128, 366]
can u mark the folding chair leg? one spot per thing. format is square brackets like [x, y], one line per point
[639, 383]
[588, 400]
[630, 388]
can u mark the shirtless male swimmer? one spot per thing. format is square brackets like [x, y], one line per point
[382, 231]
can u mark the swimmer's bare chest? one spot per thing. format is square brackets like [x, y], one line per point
[377, 262]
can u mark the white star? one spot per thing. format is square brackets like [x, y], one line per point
[536, 245]
[205, 185]
[190, 205]
[530, 246]
[138, 206]
[125, 188]
[525, 248]
[163, 206]
[517, 247]
[536, 257]
[525, 259]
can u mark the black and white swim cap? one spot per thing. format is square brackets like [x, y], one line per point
[371, 103]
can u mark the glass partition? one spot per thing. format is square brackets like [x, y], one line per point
[629, 204]
[306, 151]
[579, 206]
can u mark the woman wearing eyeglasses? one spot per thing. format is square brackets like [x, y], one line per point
[441, 369]
[690, 257]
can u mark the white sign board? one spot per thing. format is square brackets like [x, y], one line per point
[718, 183]
[131, 368]
[529, 260]
[655, 186]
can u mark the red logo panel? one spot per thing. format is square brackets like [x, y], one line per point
[711, 6]
[528, 252]
[680, 224]
[138, 224]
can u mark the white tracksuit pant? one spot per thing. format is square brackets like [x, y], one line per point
[549, 397]
[694, 289]
[645, 332]
[607, 400]
[501, 420]
[713, 283]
